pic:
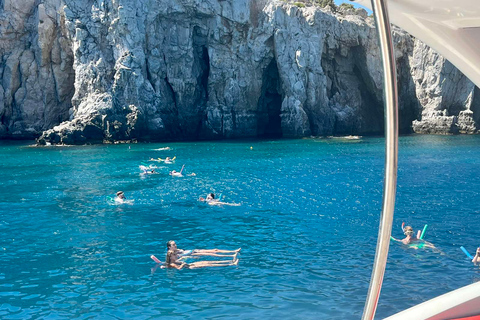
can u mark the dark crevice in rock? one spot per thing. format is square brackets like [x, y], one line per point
[174, 98]
[149, 75]
[202, 71]
[455, 108]
[234, 118]
[409, 106]
[2, 121]
[372, 106]
[202, 64]
[55, 88]
[169, 86]
[372, 111]
[269, 104]
[147, 68]
[329, 67]
[206, 72]
[475, 107]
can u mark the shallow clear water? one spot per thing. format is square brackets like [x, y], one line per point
[307, 226]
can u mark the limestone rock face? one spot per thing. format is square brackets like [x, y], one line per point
[102, 71]
[450, 102]
[36, 67]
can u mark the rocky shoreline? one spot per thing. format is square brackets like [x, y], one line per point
[77, 72]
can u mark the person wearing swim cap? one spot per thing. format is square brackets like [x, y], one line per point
[476, 259]
[120, 197]
[174, 256]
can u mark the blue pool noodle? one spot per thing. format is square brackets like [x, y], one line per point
[466, 252]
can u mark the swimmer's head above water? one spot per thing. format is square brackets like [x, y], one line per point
[121, 195]
[171, 245]
[210, 196]
[408, 231]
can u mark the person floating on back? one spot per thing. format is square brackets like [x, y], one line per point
[172, 246]
[174, 256]
[147, 170]
[169, 160]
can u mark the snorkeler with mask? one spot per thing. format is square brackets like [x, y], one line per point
[414, 241]
[409, 235]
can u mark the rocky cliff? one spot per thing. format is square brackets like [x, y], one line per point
[77, 71]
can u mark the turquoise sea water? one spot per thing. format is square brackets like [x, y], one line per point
[307, 226]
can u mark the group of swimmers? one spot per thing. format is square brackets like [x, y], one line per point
[175, 258]
[150, 169]
[167, 160]
[209, 199]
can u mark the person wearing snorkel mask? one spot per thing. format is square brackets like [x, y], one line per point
[410, 235]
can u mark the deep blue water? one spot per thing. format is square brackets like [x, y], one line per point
[307, 226]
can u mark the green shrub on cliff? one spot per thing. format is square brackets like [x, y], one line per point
[346, 6]
[324, 3]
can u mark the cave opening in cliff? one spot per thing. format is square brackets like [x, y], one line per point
[205, 72]
[201, 70]
[270, 103]
[372, 111]
[201, 65]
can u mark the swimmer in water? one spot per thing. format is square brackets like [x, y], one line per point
[172, 246]
[120, 197]
[412, 240]
[147, 170]
[476, 259]
[167, 160]
[174, 173]
[410, 237]
[211, 200]
[172, 261]
[210, 197]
